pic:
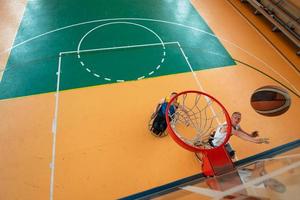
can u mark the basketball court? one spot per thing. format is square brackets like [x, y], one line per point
[79, 82]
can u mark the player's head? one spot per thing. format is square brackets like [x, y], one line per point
[236, 118]
[173, 94]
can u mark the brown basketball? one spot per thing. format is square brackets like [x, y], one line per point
[270, 100]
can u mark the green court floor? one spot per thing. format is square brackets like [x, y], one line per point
[107, 43]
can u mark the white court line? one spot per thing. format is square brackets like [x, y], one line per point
[54, 129]
[192, 70]
[119, 47]
[198, 83]
[127, 23]
[150, 73]
[97, 75]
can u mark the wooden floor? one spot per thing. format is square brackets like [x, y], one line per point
[104, 151]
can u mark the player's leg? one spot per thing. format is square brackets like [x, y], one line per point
[230, 151]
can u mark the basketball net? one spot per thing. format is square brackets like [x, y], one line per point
[192, 118]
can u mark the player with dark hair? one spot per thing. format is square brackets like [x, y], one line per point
[158, 122]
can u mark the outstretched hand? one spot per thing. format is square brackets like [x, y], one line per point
[254, 134]
[263, 140]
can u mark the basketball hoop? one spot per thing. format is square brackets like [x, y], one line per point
[192, 117]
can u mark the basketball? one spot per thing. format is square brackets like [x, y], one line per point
[270, 100]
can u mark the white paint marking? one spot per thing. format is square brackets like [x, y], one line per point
[120, 81]
[96, 75]
[78, 55]
[192, 70]
[54, 130]
[118, 47]
[54, 125]
[199, 84]
[121, 47]
[142, 77]
[107, 79]
[88, 22]
[110, 23]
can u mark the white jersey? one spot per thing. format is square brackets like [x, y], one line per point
[220, 136]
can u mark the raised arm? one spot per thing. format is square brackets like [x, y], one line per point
[252, 134]
[249, 138]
